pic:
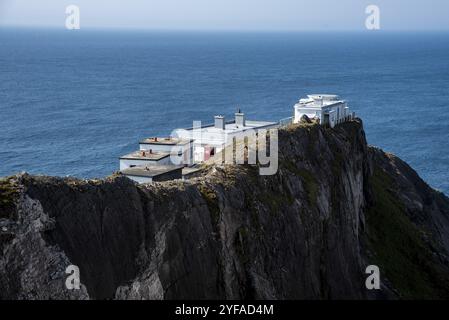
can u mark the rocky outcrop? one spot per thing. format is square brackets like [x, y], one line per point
[334, 207]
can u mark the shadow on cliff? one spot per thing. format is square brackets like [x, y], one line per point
[334, 207]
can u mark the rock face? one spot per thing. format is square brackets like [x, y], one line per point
[335, 206]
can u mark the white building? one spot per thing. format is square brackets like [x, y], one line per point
[329, 109]
[161, 159]
[144, 158]
[182, 148]
[211, 139]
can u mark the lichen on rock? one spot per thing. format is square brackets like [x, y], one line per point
[335, 206]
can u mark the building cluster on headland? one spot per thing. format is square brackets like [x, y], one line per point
[178, 157]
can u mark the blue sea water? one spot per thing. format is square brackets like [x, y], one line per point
[72, 102]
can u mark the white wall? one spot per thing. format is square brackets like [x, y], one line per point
[215, 138]
[209, 136]
[311, 113]
[332, 118]
[337, 113]
[126, 163]
[141, 179]
[186, 150]
[157, 147]
[198, 154]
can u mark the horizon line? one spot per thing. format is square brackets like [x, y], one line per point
[220, 30]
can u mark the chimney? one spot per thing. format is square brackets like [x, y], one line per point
[220, 122]
[240, 120]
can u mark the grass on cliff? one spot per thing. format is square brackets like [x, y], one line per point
[310, 182]
[9, 194]
[311, 185]
[398, 246]
[211, 199]
[275, 202]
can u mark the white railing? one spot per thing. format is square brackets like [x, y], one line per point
[285, 122]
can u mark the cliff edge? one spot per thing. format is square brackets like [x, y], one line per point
[335, 206]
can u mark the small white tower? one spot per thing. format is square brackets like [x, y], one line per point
[329, 109]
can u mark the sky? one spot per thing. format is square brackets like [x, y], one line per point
[265, 15]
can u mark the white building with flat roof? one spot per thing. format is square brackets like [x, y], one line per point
[328, 108]
[144, 158]
[180, 149]
[211, 139]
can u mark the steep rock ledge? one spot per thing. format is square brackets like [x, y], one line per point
[335, 206]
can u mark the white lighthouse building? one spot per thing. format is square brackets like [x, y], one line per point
[212, 138]
[177, 156]
[329, 109]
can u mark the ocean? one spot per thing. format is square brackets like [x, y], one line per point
[72, 102]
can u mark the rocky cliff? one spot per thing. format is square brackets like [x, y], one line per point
[335, 206]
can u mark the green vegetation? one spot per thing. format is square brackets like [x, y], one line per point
[307, 125]
[252, 172]
[274, 201]
[309, 180]
[9, 194]
[398, 246]
[212, 203]
[290, 166]
[337, 163]
[294, 126]
[310, 184]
